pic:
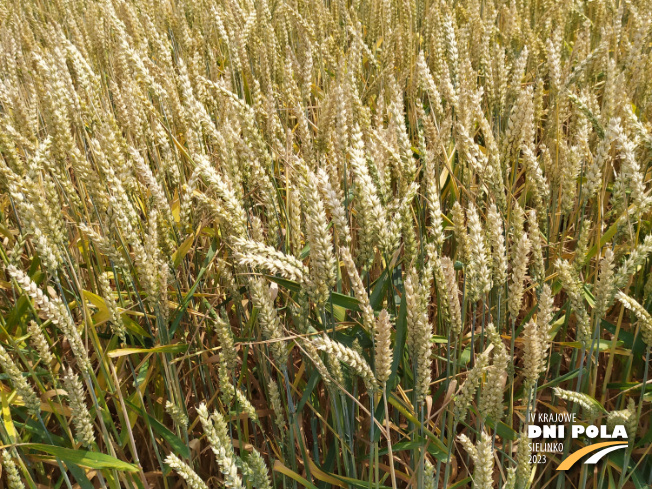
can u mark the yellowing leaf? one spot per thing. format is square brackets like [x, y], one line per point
[323, 476]
[178, 255]
[103, 311]
[279, 467]
[602, 346]
[178, 348]
[175, 208]
[134, 327]
[6, 417]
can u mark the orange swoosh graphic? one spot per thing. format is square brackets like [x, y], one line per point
[574, 457]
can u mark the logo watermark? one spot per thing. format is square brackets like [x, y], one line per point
[553, 428]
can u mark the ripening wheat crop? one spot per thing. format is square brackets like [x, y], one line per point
[323, 243]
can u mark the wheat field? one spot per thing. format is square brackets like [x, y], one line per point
[323, 243]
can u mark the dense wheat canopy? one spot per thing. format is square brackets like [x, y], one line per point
[323, 243]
